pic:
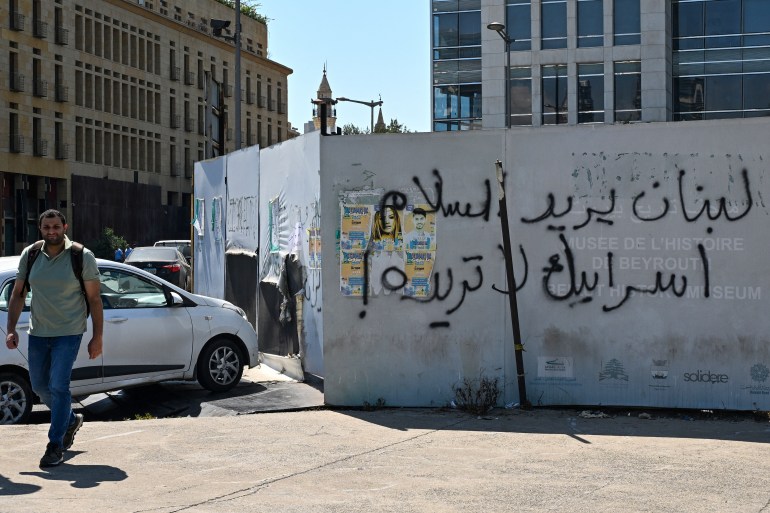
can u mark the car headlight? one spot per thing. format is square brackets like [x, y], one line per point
[235, 309]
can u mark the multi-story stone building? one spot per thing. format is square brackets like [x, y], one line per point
[103, 110]
[599, 61]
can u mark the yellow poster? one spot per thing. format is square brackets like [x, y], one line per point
[418, 270]
[354, 226]
[352, 273]
[314, 248]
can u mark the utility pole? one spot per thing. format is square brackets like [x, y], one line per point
[372, 104]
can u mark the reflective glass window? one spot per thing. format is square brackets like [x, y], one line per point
[521, 96]
[518, 24]
[445, 102]
[470, 101]
[554, 83]
[628, 91]
[689, 97]
[590, 23]
[469, 28]
[723, 93]
[627, 22]
[723, 23]
[445, 31]
[756, 16]
[591, 93]
[554, 23]
[756, 92]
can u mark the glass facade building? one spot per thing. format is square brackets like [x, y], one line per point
[599, 61]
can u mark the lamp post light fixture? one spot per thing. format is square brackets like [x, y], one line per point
[372, 104]
[500, 29]
[217, 26]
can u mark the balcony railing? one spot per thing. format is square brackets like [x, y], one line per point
[40, 147]
[62, 35]
[40, 88]
[262, 102]
[16, 143]
[189, 124]
[17, 82]
[189, 78]
[62, 150]
[174, 72]
[252, 139]
[175, 168]
[281, 108]
[40, 29]
[16, 21]
[62, 93]
[228, 91]
[271, 105]
[251, 98]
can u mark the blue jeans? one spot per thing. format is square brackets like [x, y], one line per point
[50, 368]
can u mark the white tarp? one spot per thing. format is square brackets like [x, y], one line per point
[243, 200]
[208, 227]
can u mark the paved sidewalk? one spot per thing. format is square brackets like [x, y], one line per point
[394, 460]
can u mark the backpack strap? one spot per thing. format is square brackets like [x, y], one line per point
[32, 255]
[76, 254]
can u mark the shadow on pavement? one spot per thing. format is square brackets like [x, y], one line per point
[579, 424]
[8, 487]
[80, 476]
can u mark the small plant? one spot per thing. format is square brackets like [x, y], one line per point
[144, 416]
[477, 396]
[380, 403]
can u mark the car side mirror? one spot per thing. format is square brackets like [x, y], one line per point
[176, 299]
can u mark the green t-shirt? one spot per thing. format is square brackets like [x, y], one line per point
[58, 306]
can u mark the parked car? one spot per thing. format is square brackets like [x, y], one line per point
[164, 262]
[153, 331]
[184, 247]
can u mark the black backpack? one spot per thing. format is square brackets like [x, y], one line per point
[76, 254]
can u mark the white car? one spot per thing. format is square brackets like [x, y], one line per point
[153, 331]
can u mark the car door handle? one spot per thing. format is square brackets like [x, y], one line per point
[208, 317]
[116, 320]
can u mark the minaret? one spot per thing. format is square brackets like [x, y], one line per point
[380, 125]
[325, 91]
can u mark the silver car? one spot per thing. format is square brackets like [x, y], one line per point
[153, 331]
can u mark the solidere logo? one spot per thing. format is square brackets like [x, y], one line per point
[701, 376]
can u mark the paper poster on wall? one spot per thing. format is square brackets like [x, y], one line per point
[354, 226]
[352, 273]
[419, 228]
[418, 269]
[216, 218]
[314, 248]
[387, 234]
[199, 216]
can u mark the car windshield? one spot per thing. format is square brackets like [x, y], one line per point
[155, 254]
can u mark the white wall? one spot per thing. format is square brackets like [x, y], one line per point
[672, 348]
[290, 178]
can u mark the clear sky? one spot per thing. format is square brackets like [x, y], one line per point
[369, 48]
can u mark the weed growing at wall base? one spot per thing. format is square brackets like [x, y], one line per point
[477, 396]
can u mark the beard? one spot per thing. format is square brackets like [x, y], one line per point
[54, 240]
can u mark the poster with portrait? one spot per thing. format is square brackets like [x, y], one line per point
[352, 273]
[387, 234]
[419, 228]
[355, 226]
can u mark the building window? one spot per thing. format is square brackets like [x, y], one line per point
[554, 94]
[721, 59]
[628, 91]
[553, 23]
[518, 23]
[521, 96]
[590, 22]
[627, 20]
[590, 93]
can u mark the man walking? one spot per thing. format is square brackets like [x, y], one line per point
[57, 323]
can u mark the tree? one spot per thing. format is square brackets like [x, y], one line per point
[351, 129]
[394, 127]
[106, 244]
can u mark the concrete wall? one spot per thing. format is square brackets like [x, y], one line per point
[639, 252]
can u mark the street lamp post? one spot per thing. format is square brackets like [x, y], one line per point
[217, 27]
[372, 104]
[500, 29]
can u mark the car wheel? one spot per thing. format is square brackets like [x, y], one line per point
[15, 398]
[220, 365]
